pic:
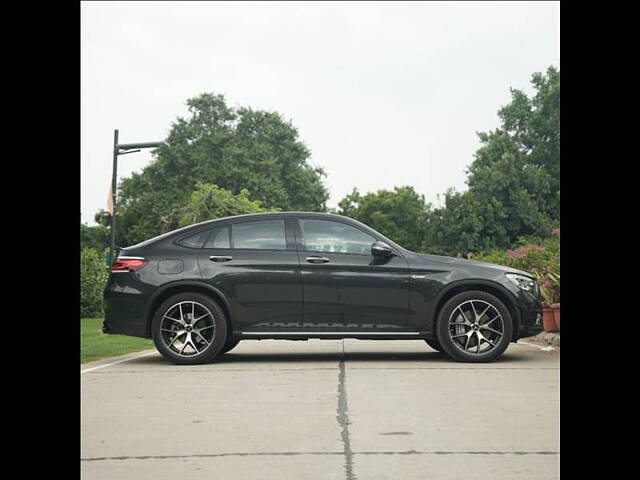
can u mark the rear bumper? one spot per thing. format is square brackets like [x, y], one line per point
[125, 306]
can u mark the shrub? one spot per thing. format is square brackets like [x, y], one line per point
[93, 277]
[537, 256]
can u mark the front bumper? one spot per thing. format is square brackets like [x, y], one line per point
[530, 321]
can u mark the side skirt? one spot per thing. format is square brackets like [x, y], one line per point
[275, 335]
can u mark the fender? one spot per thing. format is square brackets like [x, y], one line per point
[469, 283]
[188, 283]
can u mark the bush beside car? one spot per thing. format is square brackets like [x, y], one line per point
[93, 277]
[535, 255]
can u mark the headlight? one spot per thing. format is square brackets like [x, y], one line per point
[525, 283]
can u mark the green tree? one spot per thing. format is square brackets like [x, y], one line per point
[527, 145]
[234, 148]
[96, 237]
[401, 214]
[209, 202]
[514, 180]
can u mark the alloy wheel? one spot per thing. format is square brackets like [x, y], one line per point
[476, 327]
[187, 328]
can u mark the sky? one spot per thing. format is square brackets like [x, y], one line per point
[384, 94]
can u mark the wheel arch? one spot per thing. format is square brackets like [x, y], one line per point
[188, 286]
[484, 286]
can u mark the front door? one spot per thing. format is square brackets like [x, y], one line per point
[346, 287]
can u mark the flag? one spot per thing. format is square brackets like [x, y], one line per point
[110, 199]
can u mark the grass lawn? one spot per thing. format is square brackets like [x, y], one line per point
[94, 344]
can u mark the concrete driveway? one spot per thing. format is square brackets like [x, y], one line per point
[323, 409]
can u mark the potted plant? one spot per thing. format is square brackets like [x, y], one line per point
[555, 281]
[548, 298]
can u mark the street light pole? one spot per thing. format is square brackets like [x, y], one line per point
[121, 149]
[114, 187]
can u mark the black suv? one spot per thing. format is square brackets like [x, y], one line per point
[199, 290]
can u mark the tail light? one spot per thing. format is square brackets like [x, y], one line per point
[128, 264]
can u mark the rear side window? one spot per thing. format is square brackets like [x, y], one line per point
[264, 235]
[194, 241]
[219, 239]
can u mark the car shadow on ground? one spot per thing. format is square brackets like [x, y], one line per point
[392, 357]
[361, 356]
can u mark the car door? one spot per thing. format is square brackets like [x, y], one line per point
[255, 264]
[345, 287]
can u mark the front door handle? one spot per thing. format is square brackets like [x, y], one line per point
[317, 259]
[220, 258]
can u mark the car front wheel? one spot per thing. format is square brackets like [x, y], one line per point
[434, 343]
[189, 328]
[474, 326]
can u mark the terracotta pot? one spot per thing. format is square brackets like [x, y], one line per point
[556, 314]
[548, 320]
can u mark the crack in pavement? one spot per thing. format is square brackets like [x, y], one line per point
[343, 419]
[276, 454]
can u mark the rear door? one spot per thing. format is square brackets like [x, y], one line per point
[345, 287]
[255, 264]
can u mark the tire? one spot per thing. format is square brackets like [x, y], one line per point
[434, 343]
[462, 341]
[230, 344]
[189, 345]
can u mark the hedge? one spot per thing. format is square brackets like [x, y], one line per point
[93, 277]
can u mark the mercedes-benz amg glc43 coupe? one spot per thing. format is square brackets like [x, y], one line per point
[199, 290]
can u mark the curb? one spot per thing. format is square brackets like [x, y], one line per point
[105, 362]
[547, 338]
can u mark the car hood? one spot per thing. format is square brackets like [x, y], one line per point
[465, 262]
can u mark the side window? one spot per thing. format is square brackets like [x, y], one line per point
[334, 237]
[219, 239]
[263, 234]
[194, 241]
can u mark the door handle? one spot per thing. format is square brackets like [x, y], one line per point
[317, 260]
[220, 258]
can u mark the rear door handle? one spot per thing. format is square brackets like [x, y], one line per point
[317, 259]
[220, 258]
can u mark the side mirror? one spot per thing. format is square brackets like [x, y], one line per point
[381, 249]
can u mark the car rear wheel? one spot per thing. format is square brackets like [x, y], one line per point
[189, 328]
[474, 326]
[230, 344]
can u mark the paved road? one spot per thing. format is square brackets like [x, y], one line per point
[323, 409]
